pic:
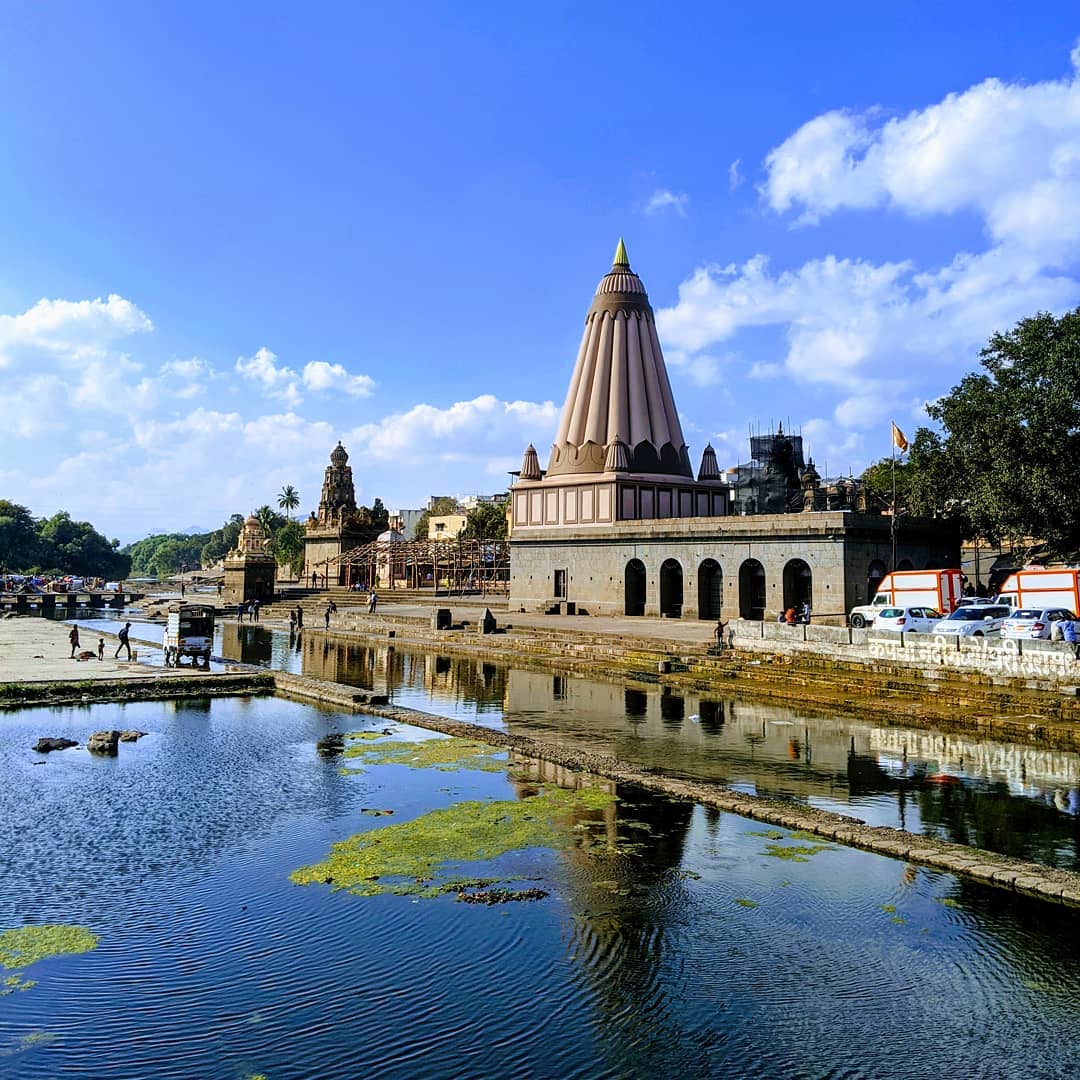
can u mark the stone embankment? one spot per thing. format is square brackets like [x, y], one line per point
[959, 686]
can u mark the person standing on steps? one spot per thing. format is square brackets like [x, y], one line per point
[255, 605]
[124, 643]
[73, 637]
[326, 618]
[299, 617]
[373, 601]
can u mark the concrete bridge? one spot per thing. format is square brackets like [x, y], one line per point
[46, 603]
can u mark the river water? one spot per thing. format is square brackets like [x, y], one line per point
[1016, 799]
[673, 940]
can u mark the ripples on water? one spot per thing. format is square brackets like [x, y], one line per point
[670, 943]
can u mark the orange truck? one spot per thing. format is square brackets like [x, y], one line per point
[937, 589]
[1042, 588]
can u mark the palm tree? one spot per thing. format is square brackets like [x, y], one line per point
[265, 516]
[288, 500]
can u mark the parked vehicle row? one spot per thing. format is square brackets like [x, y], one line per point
[975, 620]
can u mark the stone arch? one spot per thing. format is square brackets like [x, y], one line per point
[875, 572]
[798, 584]
[752, 590]
[671, 588]
[710, 589]
[634, 579]
[905, 564]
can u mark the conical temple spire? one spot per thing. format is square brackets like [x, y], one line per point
[619, 391]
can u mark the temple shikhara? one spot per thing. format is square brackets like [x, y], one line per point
[618, 523]
[333, 528]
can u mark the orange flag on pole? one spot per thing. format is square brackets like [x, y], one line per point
[899, 440]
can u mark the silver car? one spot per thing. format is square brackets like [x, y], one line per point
[1032, 623]
[974, 620]
[908, 620]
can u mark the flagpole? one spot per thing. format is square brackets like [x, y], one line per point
[892, 517]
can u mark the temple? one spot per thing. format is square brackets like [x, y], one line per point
[618, 524]
[334, 527]
[250, 569]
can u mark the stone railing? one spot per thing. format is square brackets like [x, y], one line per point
[1051, 663]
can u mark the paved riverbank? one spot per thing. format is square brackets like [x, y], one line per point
[36, 668]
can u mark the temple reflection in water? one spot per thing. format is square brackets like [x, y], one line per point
[1010, 797]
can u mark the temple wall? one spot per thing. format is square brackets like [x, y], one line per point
[837, 547]
[599, 501]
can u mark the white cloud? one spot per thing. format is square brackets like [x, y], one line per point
[734, 174]
[466, 430]
[1010, 152]
[319, 375]
[663, 199]
[68, 330]
[276, 382]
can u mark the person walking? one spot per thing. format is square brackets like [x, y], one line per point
[299, 617]
[240, 609]
[804, 612]
[326, 618]
[73, 637]
[292, 623]
[373, 600]
[124, 642]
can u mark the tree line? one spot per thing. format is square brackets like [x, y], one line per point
[1005, 460]
[57, 545]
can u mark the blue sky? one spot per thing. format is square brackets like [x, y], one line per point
[231, 234]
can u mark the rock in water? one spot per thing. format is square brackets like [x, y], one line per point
[131, 736]
[44, 745]
[103, 742]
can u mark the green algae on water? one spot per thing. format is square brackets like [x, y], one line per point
[424, 857]
[27, 945]
[742, 901]
[445, 754]
[796, 852]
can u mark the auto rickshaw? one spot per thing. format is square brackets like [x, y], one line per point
[189, 632]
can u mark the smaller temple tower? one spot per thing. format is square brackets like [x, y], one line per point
[249, 569]
[333, 528]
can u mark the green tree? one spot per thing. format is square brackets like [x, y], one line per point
[166, 553]
[222, 541]
[287, 546]
[487, 521]
[444, 504]
[270, 520]
[380, 517]
[76, 547]
[19, 543]
[1007, 460]
[878, 479]
[288, 500]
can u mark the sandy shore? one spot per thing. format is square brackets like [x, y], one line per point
[33, 649]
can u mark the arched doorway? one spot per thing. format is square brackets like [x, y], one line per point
[874, 574]
[905, 564]
[798, 585]
[710, 589]
[635, 588]
[671, 589]
[752, 590]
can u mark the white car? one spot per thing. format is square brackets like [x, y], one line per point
[974, 620]
[1031, 623]
[908, 620]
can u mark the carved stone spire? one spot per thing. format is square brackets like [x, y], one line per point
[530, 464]
[619, 391]
[709, 469]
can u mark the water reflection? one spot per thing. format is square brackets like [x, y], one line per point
[1009, 797]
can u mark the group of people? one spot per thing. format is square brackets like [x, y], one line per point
[250, 608]
[795, 618]
[122, 637]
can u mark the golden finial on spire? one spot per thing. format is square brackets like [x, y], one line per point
[621, 258]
